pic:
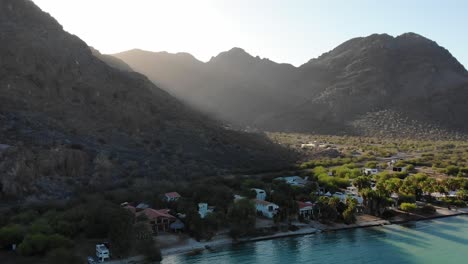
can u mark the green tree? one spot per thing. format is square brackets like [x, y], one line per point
[120, 231]
[144, 242]
[10, 235]
[349, 215]
[242, 217]
[362, 182]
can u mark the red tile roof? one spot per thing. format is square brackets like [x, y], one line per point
[154, 214]
[303, 204]
[172, 195]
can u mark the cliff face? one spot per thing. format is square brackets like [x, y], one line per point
[68, 115]
[409, 76]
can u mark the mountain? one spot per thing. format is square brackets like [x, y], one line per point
[231, 86]
[371, 85]
[111, 60]
[68, 120]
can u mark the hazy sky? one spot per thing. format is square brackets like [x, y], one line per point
[292, 31]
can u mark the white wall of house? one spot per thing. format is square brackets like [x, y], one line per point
[261, 194]
[203, 210]
[268, 210]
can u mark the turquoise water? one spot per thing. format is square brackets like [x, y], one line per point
[442, 240]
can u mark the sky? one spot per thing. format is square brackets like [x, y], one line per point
[288, 31]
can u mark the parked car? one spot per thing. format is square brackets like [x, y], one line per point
[91, 260]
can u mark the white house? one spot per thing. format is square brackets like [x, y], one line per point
[238, 197]
[204, 210]
[351, 190]
[266, 208]
[370, 171]
[261, 194]
[293, 180]
[102, 253]
[343, 197]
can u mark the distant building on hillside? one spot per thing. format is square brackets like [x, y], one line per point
[399, 169]
[261, 194]
[171, 196]
[370, 171]
[293, 180]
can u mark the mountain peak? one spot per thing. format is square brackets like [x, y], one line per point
[235, 55]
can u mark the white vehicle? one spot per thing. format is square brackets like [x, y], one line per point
[102, 253]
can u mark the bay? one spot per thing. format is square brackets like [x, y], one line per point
[443, 240]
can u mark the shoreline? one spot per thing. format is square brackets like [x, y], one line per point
[217, 243]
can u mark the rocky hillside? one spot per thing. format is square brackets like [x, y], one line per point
[335, 93]
[231, 86]
[111, 60]
[69, 120]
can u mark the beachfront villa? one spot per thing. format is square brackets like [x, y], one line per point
[305, 209]
[265, 208]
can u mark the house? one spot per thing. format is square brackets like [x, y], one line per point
[399, 169]
[351, 190]
[305, 209]
[293, 180]
[261, 194]
[238, 197]
[204, 210]
[171, 196]
[102, 253]
[309, 145]
[344, 197]
[370, 171]
[341, 196]
[142, 206]
[158, 219]
[266, 208]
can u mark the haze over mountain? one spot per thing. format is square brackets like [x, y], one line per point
[69, 120]
[379, 84]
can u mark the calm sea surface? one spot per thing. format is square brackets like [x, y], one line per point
[435, 241]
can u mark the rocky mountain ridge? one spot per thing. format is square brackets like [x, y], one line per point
[408, 74]
[70, 121]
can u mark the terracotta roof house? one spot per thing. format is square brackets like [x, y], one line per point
[171, 196]
[305, 209]
[158, 219]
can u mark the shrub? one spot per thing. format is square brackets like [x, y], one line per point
[408, 207]
[428, 209]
